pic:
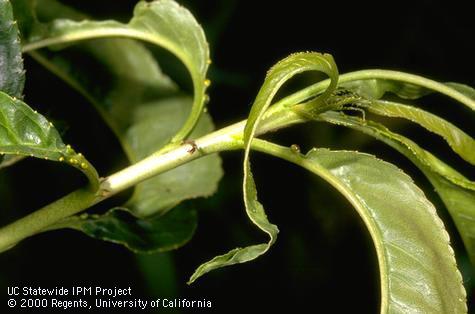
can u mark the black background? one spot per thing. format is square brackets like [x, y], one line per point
[324, 259]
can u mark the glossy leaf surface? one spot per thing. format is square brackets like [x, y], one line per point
[12, 75]
[24, 132]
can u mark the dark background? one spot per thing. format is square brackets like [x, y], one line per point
[323, 258]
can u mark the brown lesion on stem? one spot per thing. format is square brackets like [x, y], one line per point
[104, 189]
[193, 147]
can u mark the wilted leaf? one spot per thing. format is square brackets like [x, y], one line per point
[372, 90]
[456, 191]
[378, 88]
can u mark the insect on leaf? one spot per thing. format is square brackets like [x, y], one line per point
[459, 141]
[142, 105]
[456, 191]
[377, 83]
[24, 132]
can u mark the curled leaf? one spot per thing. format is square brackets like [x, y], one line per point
[163, 23]
[463, 89]
[276, 77]
[378, 88]
[459, 141]
[142, 105]
[374, 84]
[456, 191]
[372, 90]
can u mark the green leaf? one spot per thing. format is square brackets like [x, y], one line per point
[459, 141]
[279, 74]
[417, 264]
[163, 23]
[149, 211]
[374, 84]
[24, 132]
[378, 88]
[410, 239]
[153, 125]
[276, 77]
[142, 235]
[463, 89]
[151, 221]
[8, 160]
[12, 75]
[456, 191]
[374, 89]
[121, 77]
[144, 108]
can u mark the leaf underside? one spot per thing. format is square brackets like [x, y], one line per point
[143, 107]
[162, 23]
[137, 100]
[154, 234]
[458, 140]
[455, 190]
[417, 265]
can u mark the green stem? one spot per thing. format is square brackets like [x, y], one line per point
[38, 220]
[228, 138]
